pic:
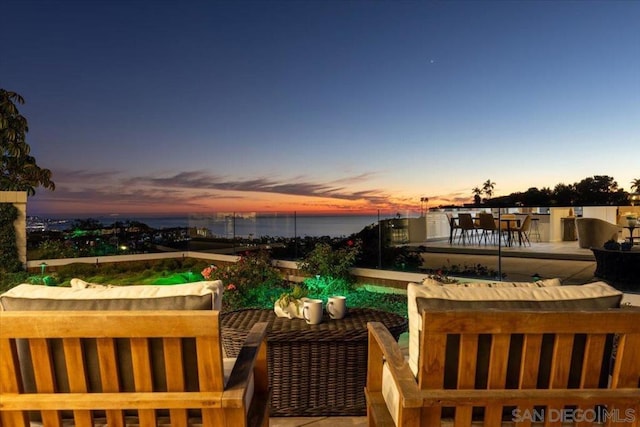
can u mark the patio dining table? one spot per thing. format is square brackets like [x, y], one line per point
[314, 370]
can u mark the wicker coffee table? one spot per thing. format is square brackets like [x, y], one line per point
[314, 370]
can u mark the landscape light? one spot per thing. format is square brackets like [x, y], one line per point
[43, 267]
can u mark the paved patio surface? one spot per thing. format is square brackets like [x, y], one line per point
[319, 422]
[564, 260]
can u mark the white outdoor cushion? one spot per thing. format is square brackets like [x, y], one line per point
[498, 297]
[189, 296]
[536, 284]
[81, 284]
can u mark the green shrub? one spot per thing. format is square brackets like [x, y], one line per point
[326, 286]
[53, 249]
[325, 261]
[9, 280]
[79, 270]
[394, 303]
[9, 259]
[253, 270]
[171, 264]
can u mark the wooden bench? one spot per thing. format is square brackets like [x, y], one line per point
[241, 400]
[580, 349]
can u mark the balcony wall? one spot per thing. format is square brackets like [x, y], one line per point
[364, 276]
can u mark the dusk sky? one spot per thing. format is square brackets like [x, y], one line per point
[203, 106]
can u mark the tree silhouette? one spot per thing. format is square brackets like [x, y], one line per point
[18, 169]
[477, 192]
[635, 185]
[488, 187]
[599, 190]
[564, 195]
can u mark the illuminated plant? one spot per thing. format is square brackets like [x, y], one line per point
[252, 276]
[330, 268]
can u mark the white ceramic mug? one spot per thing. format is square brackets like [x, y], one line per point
[312, 311]
[337, 307]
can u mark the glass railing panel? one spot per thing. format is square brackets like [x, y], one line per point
[235, 232]
[401, 240]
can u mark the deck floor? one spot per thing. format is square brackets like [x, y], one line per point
[564, 260]
[319, 422]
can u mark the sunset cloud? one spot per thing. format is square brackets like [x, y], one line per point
[199, 190]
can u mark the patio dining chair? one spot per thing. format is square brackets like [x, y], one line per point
[507, 228]
[453, 227]
[468, 228]
[523, 231]
[487, 225]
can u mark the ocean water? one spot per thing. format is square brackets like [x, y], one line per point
[249, 225]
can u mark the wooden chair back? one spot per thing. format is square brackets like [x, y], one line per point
[466, 221]
[526, 224]
[452, 221]
[579, 350]
[213, 402]
[486, 221]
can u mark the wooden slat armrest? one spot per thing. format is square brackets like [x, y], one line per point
[389, 346]
[245, 365]
[439, 398]
[377, 409]
[400, 371]
[120, 400]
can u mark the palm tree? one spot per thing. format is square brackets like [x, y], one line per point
[487, 187]
[635, 185]
[477, 192]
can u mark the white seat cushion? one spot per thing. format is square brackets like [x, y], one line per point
[204, 295]
[537, 284]
[432, 288]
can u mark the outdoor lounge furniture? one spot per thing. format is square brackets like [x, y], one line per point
[121, 359]
[594, 232]
[501, 356]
